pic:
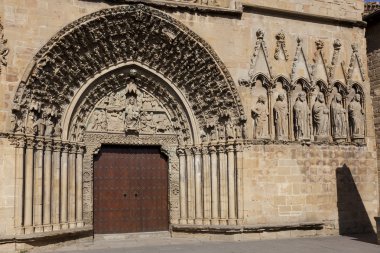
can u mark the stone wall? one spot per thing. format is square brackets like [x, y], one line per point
[283, 183]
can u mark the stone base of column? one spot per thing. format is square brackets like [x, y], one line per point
[198, 221]
[182, 221]
[80, 224]
[239, 221]
[190, 221]
[29, 230]
[72, 224]
[56, 227]
[20, 231]
[231, 222]
[48, 228]
[39, 229]
[215, 222]
[64, 226]
[206, 222]
[222, 222]
[378, 228]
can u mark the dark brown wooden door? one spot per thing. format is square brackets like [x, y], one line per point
[130, 190]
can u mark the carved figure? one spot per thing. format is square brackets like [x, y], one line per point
[320, 116]
[280, 113]
[260, 115]
[230, 131]
[301, 115]
[31, 127]
[338, 118]
[132, 115]
[49, 127]
[356, 117]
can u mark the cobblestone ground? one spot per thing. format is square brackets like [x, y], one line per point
[165, 244]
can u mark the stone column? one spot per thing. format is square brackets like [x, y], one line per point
[79, 187]
[190, 186]
[19, 185]
[239, 182]
[38, 184]
[214, 186]
[198, 184]
[206, 186]
[64, 164]
[47, 186]
[29, 165]
[71, 185]
[56, 171]
[223, 186]
[182, 186]
[231, 185]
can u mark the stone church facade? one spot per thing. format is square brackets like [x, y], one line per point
[262, 111]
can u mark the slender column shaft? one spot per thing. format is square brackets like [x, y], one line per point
[19, 163]
[231, 185]
[38, 187]
[56, 170]
[182, 186]
[190, 186]
[206, 186]
[28, 206]
[47, 186]
[214, 186]
[198, 184]
[79, 187]
[71, 186]
[223, 187]
[64, 164]
[239, 176]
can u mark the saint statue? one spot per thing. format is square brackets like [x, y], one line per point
[301, 115]
[132, 114]
[320, 116]
[280, 113]
[338, 118]
[260, 116]
[356, 117]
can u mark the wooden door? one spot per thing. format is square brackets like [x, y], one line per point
[130, 190]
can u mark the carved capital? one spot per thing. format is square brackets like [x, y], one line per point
[57, 146]
[196, 150]
[180, 152]
[40, 143]
[81, 149]
[30, 142]
[66, 147]
[48, 145]
[18, 141]
[212, 149]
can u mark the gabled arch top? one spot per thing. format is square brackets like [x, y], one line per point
[129, 33]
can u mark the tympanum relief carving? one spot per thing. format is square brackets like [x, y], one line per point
[130, 110]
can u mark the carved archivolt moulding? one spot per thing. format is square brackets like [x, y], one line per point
[3, 47]
[110, 37]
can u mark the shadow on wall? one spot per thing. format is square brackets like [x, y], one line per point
[353, 217]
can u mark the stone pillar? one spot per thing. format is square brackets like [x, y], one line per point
[64, 164]
[214, 186]
[29, 165]
[56, 171]
[239, 182]
[198, 185]
[19, 185]
[71, 185]
[37, 189]
[206, 186]
[231, 185]
[79, 187]
[47, 186]
[223, 186]
[190, 187]
[182, 186]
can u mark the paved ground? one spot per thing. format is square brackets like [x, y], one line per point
[346, 244]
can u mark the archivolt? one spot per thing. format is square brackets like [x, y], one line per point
[130, 33]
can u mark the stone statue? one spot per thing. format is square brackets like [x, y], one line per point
[338, 118]
[132, 115]
[230, 131]
[280, 114]
[260, 115]
[320, 116]
[356, 117]
[301, 115]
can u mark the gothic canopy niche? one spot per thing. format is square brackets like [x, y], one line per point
[88, 49]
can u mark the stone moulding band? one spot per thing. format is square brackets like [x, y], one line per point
[246, 229]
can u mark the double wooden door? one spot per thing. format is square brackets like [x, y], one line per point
[130, 190]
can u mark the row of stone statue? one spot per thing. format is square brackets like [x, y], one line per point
[319, 122]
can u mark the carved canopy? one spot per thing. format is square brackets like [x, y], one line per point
[108, 38]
